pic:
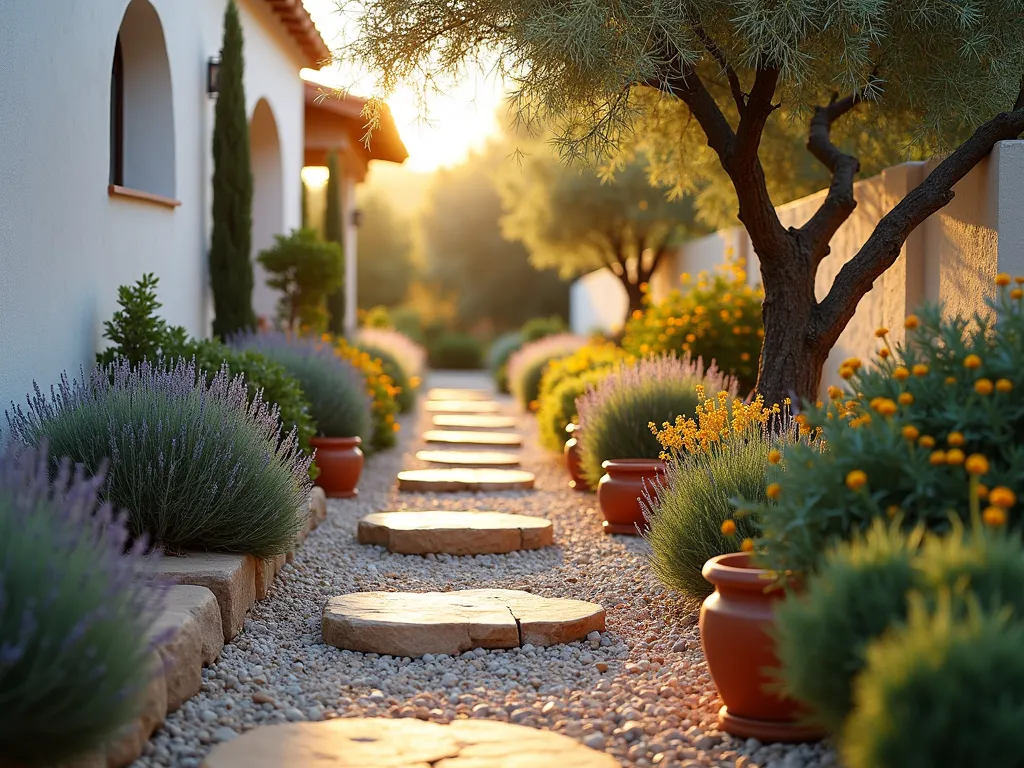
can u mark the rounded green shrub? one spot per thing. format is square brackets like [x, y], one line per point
[860, 593]
[76, 613]
[457, 351]
[498, 355]
[945, 690]
[193, 463]
[538, 327]
[335, 388]
[526, 365]
[558, 408]
[405, 394]
[698, 495]
[614, 417]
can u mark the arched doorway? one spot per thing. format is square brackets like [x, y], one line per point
[267, 200]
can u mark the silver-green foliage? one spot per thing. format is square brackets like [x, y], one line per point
[864, 590]
[614, 416]
[686, 514]
[75, 613]
[193, 462]
[945, 689]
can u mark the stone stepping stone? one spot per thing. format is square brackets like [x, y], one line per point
[378, 742]
[468, 437]
[456, 479]
[461, 406]
[473, 421]
[470, 458]
[416, 623]
[449, 393]
[455, 533]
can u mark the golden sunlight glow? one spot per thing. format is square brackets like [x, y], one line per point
[315, 176]
[440, 129]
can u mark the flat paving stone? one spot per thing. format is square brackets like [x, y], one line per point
[404, 743]
[470, 458]
[454, 533]
[416, 623]
[468, 437]
[461, 406]
[473, 421]
[456, 479]
[449, 393]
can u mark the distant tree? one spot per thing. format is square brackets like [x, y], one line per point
[467, 255]
[303, 198]
[231, 273]
[386, 266]
[305, 269]
[573, 221]
[948, 74]
[334, 232]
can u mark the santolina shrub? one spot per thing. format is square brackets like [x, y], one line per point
[402, 384]
[381, 389]
[193, 463]
[526, 365]
[497, 357]
[335, 388]
[614, 416]
[76, 610]
[717, 318]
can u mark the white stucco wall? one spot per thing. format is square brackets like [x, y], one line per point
[65, 245]
[597, 302]
[952, 258]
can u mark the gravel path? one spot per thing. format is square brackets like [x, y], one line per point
[639, 691]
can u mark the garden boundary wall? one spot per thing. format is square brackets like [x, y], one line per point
[952, 258]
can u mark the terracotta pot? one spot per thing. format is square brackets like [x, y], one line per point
[735, 625]
[340, 461]
[620, 490]
[572, 460]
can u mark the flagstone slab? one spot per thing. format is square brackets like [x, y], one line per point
[473, 421]
[416, 623]
[455, 533]
[461, 406]
[452, 393]
[404, 743]
[468, 437]
[454, 479]
[470, 458]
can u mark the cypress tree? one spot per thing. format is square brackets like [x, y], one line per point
[305, 204]
[231, 273]
[333, 232]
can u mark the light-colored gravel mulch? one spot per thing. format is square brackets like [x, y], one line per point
[640, 690]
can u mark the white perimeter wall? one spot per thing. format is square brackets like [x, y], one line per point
[65, 246]
[952, 258]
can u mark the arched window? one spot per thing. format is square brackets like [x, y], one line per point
[141, 105]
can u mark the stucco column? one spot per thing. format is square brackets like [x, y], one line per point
[350, 232]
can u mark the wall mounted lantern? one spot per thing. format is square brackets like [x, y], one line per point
[357, 217]
[213, 76]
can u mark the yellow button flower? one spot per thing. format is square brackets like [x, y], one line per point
[920, 369]
[955, 439]
[774, 456]
[937, 458]
[1004, 385]
[984, 386]
[976, 464]
[900, 373]
[910, 432]
[906, 398]
[972, 361]
[1001, 496]
[954, 456]
[951, 379]
[881, 333]
[856, 479]
[747, 545]
[1002, 279]
[926, 441]
[911, 322]
[994, 516]
[773, 491]
[729, 528]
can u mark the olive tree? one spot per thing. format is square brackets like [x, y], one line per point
[573, 220]
[944, 73]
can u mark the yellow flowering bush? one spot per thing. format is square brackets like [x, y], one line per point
[564, 379]
[717, 318]
[718, 455]
[906, 435]
[378, 385]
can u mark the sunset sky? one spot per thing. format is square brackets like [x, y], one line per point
[454, 123]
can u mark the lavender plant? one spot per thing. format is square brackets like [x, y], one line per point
[76, 613]
[614, 416]
[335, 388]
[194, 463]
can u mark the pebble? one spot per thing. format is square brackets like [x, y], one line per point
[640, 690]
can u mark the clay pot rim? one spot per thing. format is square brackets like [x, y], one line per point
[735, 570]
[336, 442]
[633, 466]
